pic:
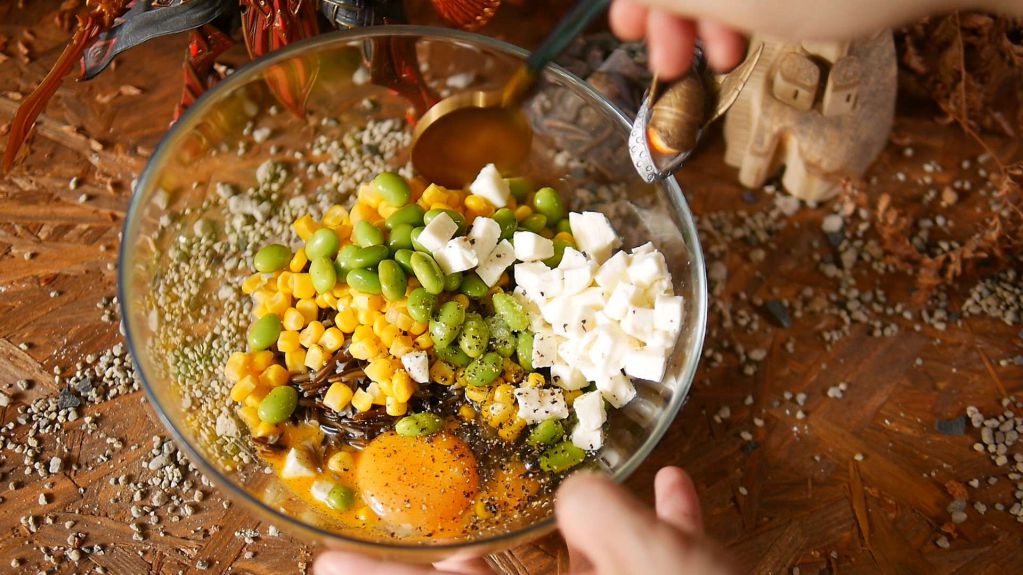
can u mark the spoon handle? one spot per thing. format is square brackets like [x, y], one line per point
[566, 31]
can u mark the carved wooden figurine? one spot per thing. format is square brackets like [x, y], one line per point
[818, 111]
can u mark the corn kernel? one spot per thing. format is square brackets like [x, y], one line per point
[510, 430]
[434, 193]
[547, 233]
[312, 334]
[260, 360]
[565, 237]
[293, 319]
[243, 388]
[344, 231]
[335, 216]
[315, 357]
[362, 400]
[288, 341]
[444, 206]
[364, 349]
[365, 514]
[326, 300]
[265, 429]
[424, 341]
[504, 280]
[395, 407]
[341, 461]
[308, 308]
[346, 320]
[274, 376]
[368, 301]
[504, 394]
[442, 373]
[305, 227]
[237, 366]
[480, 205]
[570, 395]
[302, 286]
[252, 283]
[278, 303]
[403, 321]
[523, 212]
[367, 316]
[402, 386]
[379, 323]
[418, 328]
[498, 413]
[298, 261]
[338, 396]
[295, 361]
[400, 346]
[476, 393]
[380, 369]
[362, 212]
[374, 391]
[388, 334]
[481, 510]
[284, 282]
[385, 210]
[249, 416]
[466, 412]
[332, 339]
[512, 371]
[256, 396]
[535, 380]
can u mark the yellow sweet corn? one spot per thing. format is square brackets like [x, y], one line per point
[288, 341]
[476, 393]
[260, 360]
[237, 366]
[462, 299]
[379, 324]
[547, 233]
[385, 210]
[478, 206]
[283, 282]
[298, 261]
[363, 332]
[305, 227]
[293, 319]
[402, 386]
[367, 316]
[403, 321]
[523, 212]
[365, 514]
[570, 395]
[302, 286]
[534, 380]
[418, 328]
[335, 216]
[243, 388]
[400, 346]
[388, 334]
[249, 416]
[265, 429]
[338, 396]
[504, 393]
[497, 413]
[565, 237]
[424, 341]
[374, 391]
[362, 400]
[362, 212]
[308, 308]
[466, 412]
[332, 339]
[315, 357]
[442, 373]
[380, 369]
[256, 396]
[510, 430]
[482, 510]
[341, 461]
[512, 371]
[365, 349]
[295, 361]
[395, 407]
[252, 283]
[326, 300]
[346, 320]
[311, 334]
[278, 303]
[274, 376]
[434, 193]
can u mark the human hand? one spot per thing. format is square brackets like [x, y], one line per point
[608, 532]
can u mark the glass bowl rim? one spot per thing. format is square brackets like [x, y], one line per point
[246, 73]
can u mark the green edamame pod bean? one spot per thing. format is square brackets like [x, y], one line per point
[511, 311]
[392, 188]
[339, 272]
[452, 281]
[561, 457]
[475, 335]
[400, 238]
[264, 331]
[443, 334]
[524, 350]
[451, 313]
[484, 369]
[340, 498]
[367, 257]
[472, 286]
[404, 259]
[534, 223]
[427, 272]
[322, 244]
[415, 240]
[505, 218]
[366, 281]
[519, 188]
[545, 433]
[366, 234]
[453, 355]
[421, 304]
[559, 252]
[323, 274]
[271, 258]
[457, 217]
[411, 214]
[419, 424]
[563, 225]
[279, 404]
[501, 337]
[344, 256]
[392, 280]
[547, 201]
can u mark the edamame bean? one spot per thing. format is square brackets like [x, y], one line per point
[475, 335]
[279, 404]
[452, 281]
[519, 188]
[451, 313]
[563, 225]
[404, 259]
[505, 218]
[392, 280]
[271, 258]
[421, 304]
[547, 201]
[411, 214]
[534, 223]
[419, 424]
[415, 240]
[359, 258]
[344, 256]
[366, 234]
[501, 337]
[427, 272]
[484, 370]
[322, 244]
[340, 498]
[511, 311]
[443, 334]
[366, 281]
[392, 188]
[400, 238]
[472, 286]
[561, 457]
[323, 274]
[559, 252]
[524, 350]
[457, 217]
[546, 432]
[264, 331]
[453, 355]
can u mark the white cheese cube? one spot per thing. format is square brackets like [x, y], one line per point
[576, 279]
[499, 259]
[612, 271]
[536, 405]
[545, 350]
[668, 313]
[530, 247]
[530, 276]
[589, 408]
[587, 439]
[617, 389]
[298, 463]
[553, 284]
[593, 234]
[573, 258]
[438, 232]
[456, 256]
[568, 352]
[661, 287]
[567, 377]
[417, 364]
[484, 235]
[320, 489]
[607, 346]
[593, 297]
[623, 298]
[577, 320]
[490, 185]
[644, 249]
[646, 363]
[555, 311]
[646, 268]
[662, 339]
[639, 323]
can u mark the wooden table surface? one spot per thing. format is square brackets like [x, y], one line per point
[851, 485]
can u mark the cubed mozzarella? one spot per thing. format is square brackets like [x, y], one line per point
[490, 185]
[417, 364]
[484, 235]
[490, 270]
[622, 299]
[555, 311]
[567, 377]
[530, 275]
[639, 323]
[646, 363]
[594, 234]
[607, 346]
[617, 389]
[456, 256]
[612, 271]
[646, 268]
[320, 489]
[553, 284]
[573, 258]
[438, 232]
[536, 405]
[298, 463]
[545, 350]
[576, 279]
[530, 247]
[668, 313]
[587, 439]
[643, 249]
[568, 352]
[662, 339]
[589, 408]
[577, 320]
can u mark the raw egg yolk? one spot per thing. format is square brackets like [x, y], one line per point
[426, 483]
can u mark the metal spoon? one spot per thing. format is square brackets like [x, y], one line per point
[460, 134]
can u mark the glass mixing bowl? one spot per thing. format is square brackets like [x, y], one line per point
[295, 132]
